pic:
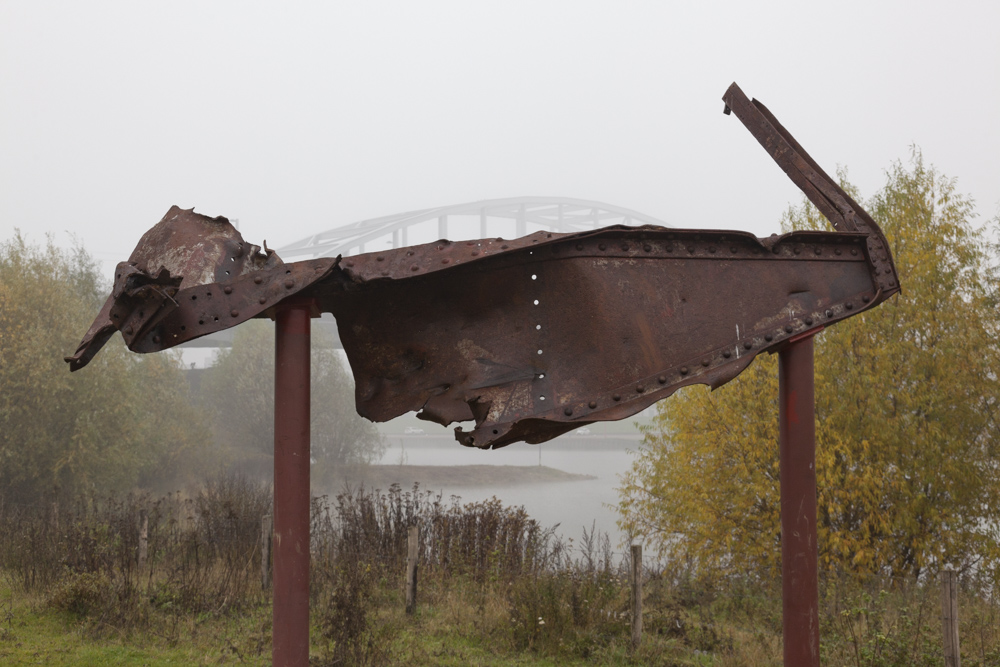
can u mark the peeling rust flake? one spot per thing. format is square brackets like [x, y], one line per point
[532, 337]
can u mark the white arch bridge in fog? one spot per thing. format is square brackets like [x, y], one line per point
[510, 218]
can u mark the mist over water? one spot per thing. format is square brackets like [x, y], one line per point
[574, 505]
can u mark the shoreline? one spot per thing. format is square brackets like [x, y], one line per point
[460, 476]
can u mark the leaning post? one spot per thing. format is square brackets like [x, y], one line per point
[412, 554]
[636, 572]
[799, 555]
[290, 620]
[949, 618]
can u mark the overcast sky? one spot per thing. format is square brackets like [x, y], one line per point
[298, 117]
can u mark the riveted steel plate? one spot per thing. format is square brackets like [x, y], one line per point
[532, 337]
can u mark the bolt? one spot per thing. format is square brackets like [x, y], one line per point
[156, 339]
[854, 251]
[227, 289]
[624, 246]
[350, 263]
[262, 300]
[289, 283]
[592, 404]
[414, 268]
[809, 321]
[838, 251]
[380, 258]
[639, 389]
[797, 250]
[445, 261]
[819, 251]
[705, 362]
[788, 328]
[849, 306]
[602, 246]
[690, 248]
[866, 298]
[662, 379]
[727, 354]
[475, 252]
[257, 280]
[128, 330]
[616, 397]
[568, 411]
[748, 344]
[668, 248]
[829, 313]
[684, 370]
[234, 313]
[768, 337]
[712, 250]
[647, 248]
[504, 246]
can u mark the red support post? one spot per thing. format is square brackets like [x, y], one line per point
[800, 588]
[290, 629]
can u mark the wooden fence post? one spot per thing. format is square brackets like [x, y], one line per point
[266, 532]
[143, 539]
[412, 539]
[949, 617]
[636, 595]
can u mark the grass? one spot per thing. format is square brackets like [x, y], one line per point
[35, 634]
[495, 589]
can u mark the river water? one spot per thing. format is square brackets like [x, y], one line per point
[574, 505]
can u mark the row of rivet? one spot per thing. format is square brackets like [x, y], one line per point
[289, 283]
[685, 372]
[694, 247]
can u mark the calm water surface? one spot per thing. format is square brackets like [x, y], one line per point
[573, 505]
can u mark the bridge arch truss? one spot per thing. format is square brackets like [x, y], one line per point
[512, 218]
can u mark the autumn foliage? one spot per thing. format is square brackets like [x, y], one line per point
[908, 472]
[123, 421]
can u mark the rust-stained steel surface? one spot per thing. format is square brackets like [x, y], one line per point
[530, 337]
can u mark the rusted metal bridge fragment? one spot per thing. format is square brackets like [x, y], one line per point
[530, 337]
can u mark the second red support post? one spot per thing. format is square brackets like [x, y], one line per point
[799, 553]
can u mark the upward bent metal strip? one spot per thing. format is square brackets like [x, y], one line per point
[531, 337]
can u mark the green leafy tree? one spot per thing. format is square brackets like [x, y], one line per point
[123, 420]
[239, 392]
[908, 472]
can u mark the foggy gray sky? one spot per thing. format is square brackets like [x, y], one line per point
[298, 117]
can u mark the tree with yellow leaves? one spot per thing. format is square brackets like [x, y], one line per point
[908, 472]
